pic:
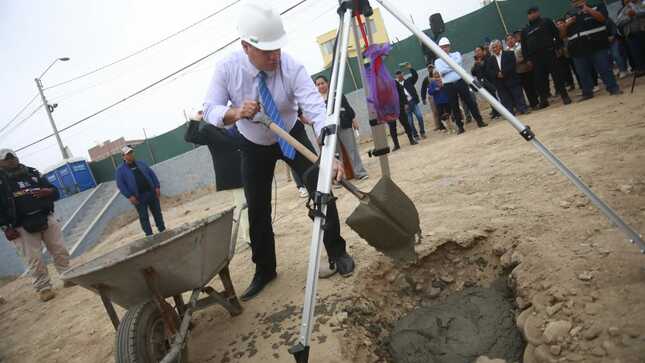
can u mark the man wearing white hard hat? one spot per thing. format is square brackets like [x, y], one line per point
[261, 81]
[27, 220]
[456, 87]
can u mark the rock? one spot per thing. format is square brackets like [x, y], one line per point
[2, 301]
[585, 276]
[592, 333]
[613, 331]
[541, 301]
[508, 262]
[593, 308]
[565, 204]
[499, 249]
[391, 276]
[558, 293]
[434, 292]
[555, 349]
[626, 188]
[521, 319]
[529, 354]
[575, 357]
[598, 352]
[485, 359]
[556, 330]
[542, 355]
[632, 331]
[532, 330]
[342, 316]
[447, 279]
[522, 303]
[552, 310]
[575, 331]
[608, 346]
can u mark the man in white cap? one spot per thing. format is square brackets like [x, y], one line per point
[261, 81]
[140, 185]
[27, 220]
[456, 87]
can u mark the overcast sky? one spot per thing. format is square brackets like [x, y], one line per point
[94, 33]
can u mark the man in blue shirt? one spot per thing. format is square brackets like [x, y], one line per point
[456, 87]
[140, 185]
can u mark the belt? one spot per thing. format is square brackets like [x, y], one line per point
[588, 32]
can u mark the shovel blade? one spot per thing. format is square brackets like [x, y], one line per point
[388, 220]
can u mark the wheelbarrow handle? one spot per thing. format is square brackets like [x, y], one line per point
[304, 151]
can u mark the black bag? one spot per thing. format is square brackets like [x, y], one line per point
[35, 222]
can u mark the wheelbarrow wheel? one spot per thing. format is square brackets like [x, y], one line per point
[140, 337]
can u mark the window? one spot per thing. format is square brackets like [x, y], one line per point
[328, 47]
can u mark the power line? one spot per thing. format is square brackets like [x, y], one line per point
[21, 122]
[145, 48]
[148, 86]
[19, 113]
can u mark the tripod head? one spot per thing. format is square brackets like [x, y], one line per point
[364, 7]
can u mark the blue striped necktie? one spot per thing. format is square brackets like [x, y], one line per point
[271, 110]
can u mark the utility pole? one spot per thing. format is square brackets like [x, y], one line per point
[49, 109]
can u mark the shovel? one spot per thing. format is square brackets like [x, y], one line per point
[386, 218]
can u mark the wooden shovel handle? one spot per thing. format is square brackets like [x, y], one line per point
[302, 149]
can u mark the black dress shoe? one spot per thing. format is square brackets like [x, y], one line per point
[481, 124]
[257, 285]
[566, 100]
[543, 105]
[461, 131]
[396, 148]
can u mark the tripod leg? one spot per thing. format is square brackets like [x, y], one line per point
[322, 196]
[524, 130]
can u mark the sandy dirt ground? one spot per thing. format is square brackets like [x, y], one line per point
[491, 206]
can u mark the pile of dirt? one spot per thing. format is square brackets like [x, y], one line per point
[466, 325]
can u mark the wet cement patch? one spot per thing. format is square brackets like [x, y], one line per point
[467, 324]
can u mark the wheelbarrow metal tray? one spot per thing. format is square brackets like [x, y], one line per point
[184, 258]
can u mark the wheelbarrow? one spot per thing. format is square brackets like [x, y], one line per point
[141, 275]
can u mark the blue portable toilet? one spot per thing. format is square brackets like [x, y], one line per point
[71, 176]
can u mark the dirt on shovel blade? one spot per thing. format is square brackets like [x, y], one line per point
[388, 220]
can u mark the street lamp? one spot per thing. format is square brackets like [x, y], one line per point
[49, 109]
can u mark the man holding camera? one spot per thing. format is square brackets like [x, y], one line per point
[26, 218]
[586, 29]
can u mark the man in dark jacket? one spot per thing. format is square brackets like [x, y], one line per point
[140, 185]
[540, 40]
[588, 36]
[412, 100]
[500, 67]
[26, 218]
[479, 71]
[403, 119]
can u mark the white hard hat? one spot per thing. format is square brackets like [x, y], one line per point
[126, 149]
[261, 26]
[6, 152]
[444, 41]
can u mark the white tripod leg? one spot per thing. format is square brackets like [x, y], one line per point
[323, 195]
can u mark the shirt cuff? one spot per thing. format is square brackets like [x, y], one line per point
[214, 114]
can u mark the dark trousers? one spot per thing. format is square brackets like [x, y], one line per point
[511, 96]
[456, 90]
[150, 202]
[597, 62]
[258, 167]
[544, 65]
[565, 67]
[636, 47]
[528, 84]
[403, 119]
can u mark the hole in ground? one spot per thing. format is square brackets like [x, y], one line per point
[453, 305]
